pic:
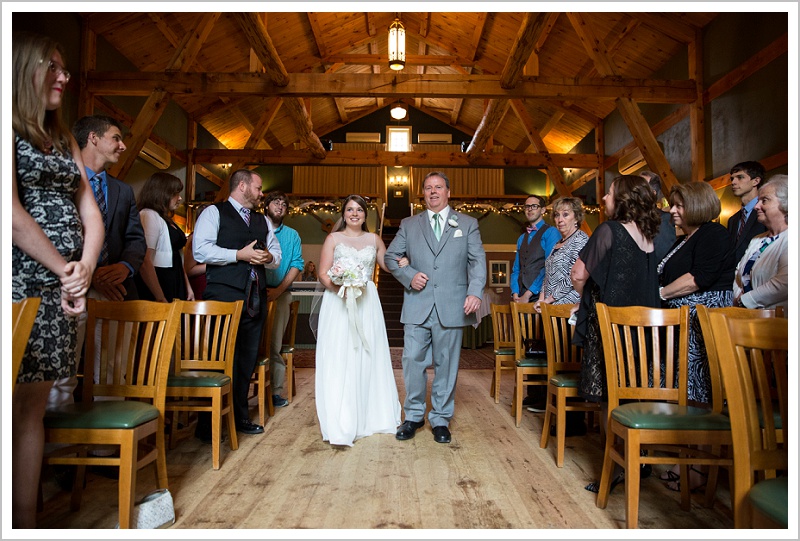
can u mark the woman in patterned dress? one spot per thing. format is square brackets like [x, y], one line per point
[57, 233]
[557, 287]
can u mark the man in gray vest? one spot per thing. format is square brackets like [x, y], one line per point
[527, 275]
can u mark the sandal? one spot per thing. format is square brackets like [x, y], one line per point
[675, 486]
[670, 476]
[594, 486]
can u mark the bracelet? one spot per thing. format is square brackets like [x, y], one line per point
[660, 294]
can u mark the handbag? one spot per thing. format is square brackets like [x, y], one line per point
[534, 347]
[156, 510]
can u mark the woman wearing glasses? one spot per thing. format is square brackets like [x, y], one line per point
[57, 233]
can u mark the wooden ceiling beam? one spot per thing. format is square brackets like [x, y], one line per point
[553, 172]
[256, 33]
[593, 46]
[476, 36]
[391, 85]
[527, 37]
[668, 25]
[646, 141]
[383, 157]
[373, 58]
[316, 32]
[186, 53]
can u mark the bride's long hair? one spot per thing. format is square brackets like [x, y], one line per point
[340, 224]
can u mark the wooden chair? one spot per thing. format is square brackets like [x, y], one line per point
[203, 367]
[287, 349]
[504, 347]
[753, 357]
[262, 379]
[136, 344]
[527, 324]
[647, 356]
[23, 315]
[563, 373]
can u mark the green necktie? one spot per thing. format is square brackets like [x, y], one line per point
[437, 229]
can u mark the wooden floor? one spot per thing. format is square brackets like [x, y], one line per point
[492, 476]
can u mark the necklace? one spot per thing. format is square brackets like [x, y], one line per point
[563, 241]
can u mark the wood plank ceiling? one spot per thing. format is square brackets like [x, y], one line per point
[531, 82]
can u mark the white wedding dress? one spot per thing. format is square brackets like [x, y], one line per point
[356, 393]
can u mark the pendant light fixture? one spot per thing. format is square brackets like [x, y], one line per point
[397, 45]
[399, 111]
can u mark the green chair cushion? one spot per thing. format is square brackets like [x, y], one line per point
[771, 498]
[286, 349]
[505, 351]
[190, 378]
[668, 416]
[536, 362]
[565, 380]
[110, 414]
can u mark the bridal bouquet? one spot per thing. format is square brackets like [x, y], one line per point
[348, 273]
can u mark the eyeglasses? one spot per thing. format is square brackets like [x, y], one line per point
[56, 69]
[278, 203]
[532, 207]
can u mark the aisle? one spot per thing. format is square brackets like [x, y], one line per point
[493, 475]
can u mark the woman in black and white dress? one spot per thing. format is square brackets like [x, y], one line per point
[557, 287]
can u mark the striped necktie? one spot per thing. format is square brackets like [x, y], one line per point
[742, 221]
[100, 197]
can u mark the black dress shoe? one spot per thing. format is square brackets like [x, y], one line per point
[249, 427]
[406, 430]
[441, 434]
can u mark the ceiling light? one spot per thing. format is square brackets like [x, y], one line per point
[399, 111]
[397, 45]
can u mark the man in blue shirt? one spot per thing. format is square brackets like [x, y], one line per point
[527, 275]
[279, 282]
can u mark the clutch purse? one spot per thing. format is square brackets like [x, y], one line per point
[534, 347]
[156, 510]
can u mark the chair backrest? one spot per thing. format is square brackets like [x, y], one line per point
[24, 315]
[291, 329]
[646, 353]
[207, 335]
[753, 356]
[703, 316]
[502, 326]
[562, 356]
[527, 325]
[135, 347]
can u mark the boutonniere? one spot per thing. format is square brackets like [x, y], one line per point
[452, 220]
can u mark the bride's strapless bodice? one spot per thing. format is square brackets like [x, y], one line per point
[365, 256]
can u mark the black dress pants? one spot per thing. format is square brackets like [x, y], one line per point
[246, 353]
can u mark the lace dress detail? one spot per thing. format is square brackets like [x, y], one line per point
[46, 185]
[356, 393]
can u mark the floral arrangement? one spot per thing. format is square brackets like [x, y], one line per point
[453, 220]
[348, 273]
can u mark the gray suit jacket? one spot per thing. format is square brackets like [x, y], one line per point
[455, 266]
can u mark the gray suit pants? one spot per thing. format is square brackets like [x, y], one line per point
[424, 345]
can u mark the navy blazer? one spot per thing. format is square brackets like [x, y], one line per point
[124, 232]
[752, 227]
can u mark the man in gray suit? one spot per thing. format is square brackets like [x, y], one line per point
[444, 282]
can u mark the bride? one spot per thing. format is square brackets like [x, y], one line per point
[356, 393]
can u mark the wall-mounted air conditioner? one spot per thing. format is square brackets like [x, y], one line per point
[363, 137]
[444, 138]
[155, 154]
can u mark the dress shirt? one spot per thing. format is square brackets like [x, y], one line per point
[443, 214]
[205, 247]
[748, 208]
